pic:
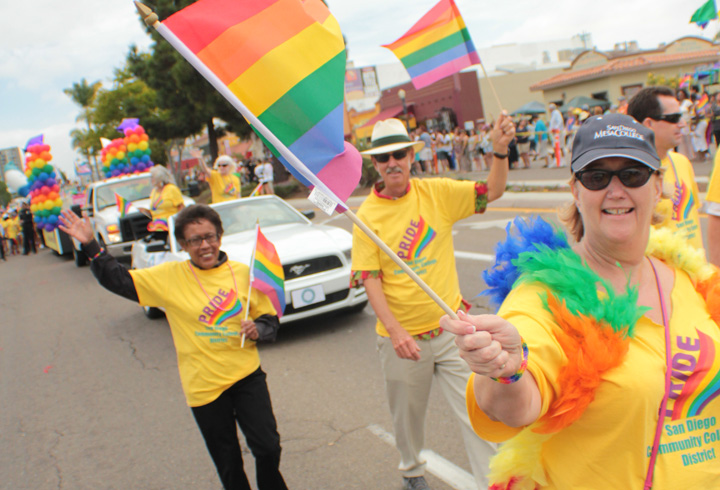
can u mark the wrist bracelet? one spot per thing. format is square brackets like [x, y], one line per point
[506, 380]
[501, 156]
[97, 254]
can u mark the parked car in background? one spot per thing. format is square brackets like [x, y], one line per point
[315, 258]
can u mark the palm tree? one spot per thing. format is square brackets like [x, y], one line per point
[83, 94]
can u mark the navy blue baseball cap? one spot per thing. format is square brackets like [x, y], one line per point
[613, 135]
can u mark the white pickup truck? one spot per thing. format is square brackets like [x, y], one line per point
[117, 234]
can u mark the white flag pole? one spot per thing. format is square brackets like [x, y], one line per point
[151, 19]
[252, 278]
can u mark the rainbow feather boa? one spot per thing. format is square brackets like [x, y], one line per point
[594, 329]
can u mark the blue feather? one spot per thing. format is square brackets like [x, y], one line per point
[523, 235]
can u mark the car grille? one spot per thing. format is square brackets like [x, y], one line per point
[134, 227]
[329, 299]
[311, 266]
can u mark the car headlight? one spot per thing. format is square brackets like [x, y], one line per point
[113, 233]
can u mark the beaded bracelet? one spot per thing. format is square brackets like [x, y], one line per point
[102, 250]
[506, 380]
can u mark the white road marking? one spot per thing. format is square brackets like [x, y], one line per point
[474, 256]
[483, 225]
[447, 471]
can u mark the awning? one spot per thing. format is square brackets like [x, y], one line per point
[386, 114]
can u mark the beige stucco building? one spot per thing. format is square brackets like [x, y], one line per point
[608, 76]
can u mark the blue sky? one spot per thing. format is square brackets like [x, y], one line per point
[46, 45]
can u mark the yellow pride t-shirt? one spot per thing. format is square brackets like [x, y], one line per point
[610, 444]
[205, 328]
[224, 188]
[418, 227]
[165, 203]
[681, 210]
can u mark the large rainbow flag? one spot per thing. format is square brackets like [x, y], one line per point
[266, 272]
[285, 61]
[437, 46]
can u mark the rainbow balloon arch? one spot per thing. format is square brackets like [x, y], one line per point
[44, 190]
[128, 155]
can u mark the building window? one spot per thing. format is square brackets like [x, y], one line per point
[630, 90]
[600, 95]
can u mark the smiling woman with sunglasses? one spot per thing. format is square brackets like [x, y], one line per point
[596, 370]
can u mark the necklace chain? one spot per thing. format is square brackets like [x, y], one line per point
[192, 269]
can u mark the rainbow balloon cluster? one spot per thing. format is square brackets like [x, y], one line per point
[45, 201]
[114, 158]
[127, 155]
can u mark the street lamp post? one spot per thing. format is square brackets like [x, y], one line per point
[401, 94]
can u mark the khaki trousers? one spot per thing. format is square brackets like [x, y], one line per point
[408, 384]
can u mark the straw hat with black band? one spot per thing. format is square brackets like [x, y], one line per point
[390, 135]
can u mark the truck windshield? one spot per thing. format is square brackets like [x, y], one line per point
[131, 189]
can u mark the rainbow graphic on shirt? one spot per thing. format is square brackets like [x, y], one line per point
[424, 234]
[156, 202]
[703, 385]
[229, 308]
[683, 201]
[230, 190]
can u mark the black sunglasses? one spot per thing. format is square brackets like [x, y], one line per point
[596, 179]
[673, 118]
[385, 157]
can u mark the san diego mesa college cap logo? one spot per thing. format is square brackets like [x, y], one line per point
[619, 131]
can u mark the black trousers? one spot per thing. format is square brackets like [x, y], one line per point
[29, 240]
[247, 402]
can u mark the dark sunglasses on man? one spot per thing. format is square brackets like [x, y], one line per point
[673, 118]
[596, 179]
[385, 157]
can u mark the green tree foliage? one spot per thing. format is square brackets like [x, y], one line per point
[83, 94]
[5, 196]
[654, 80]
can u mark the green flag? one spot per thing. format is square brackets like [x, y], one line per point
[705, 14]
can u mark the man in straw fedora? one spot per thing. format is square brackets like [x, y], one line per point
[414, 217]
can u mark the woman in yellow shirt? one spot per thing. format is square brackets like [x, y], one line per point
[165, 200]
[224, 184]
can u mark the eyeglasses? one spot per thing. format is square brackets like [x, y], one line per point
[673, 118]
[222, 165]
[196, 241]
[385, 157]
[596, 179]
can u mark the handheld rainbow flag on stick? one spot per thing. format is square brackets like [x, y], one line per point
[266, 274]
[437, 46]
[256, 190]
[122, 204]
[281, 63]
[285, 59]
[702, 101]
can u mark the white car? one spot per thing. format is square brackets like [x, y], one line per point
[315, 258]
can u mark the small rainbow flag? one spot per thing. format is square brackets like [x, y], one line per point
[122, 204]
[285, 61]
[256, 190]
[685, 81]
[159, 224]
[437, 46]
[266, 272]
[702, 101]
